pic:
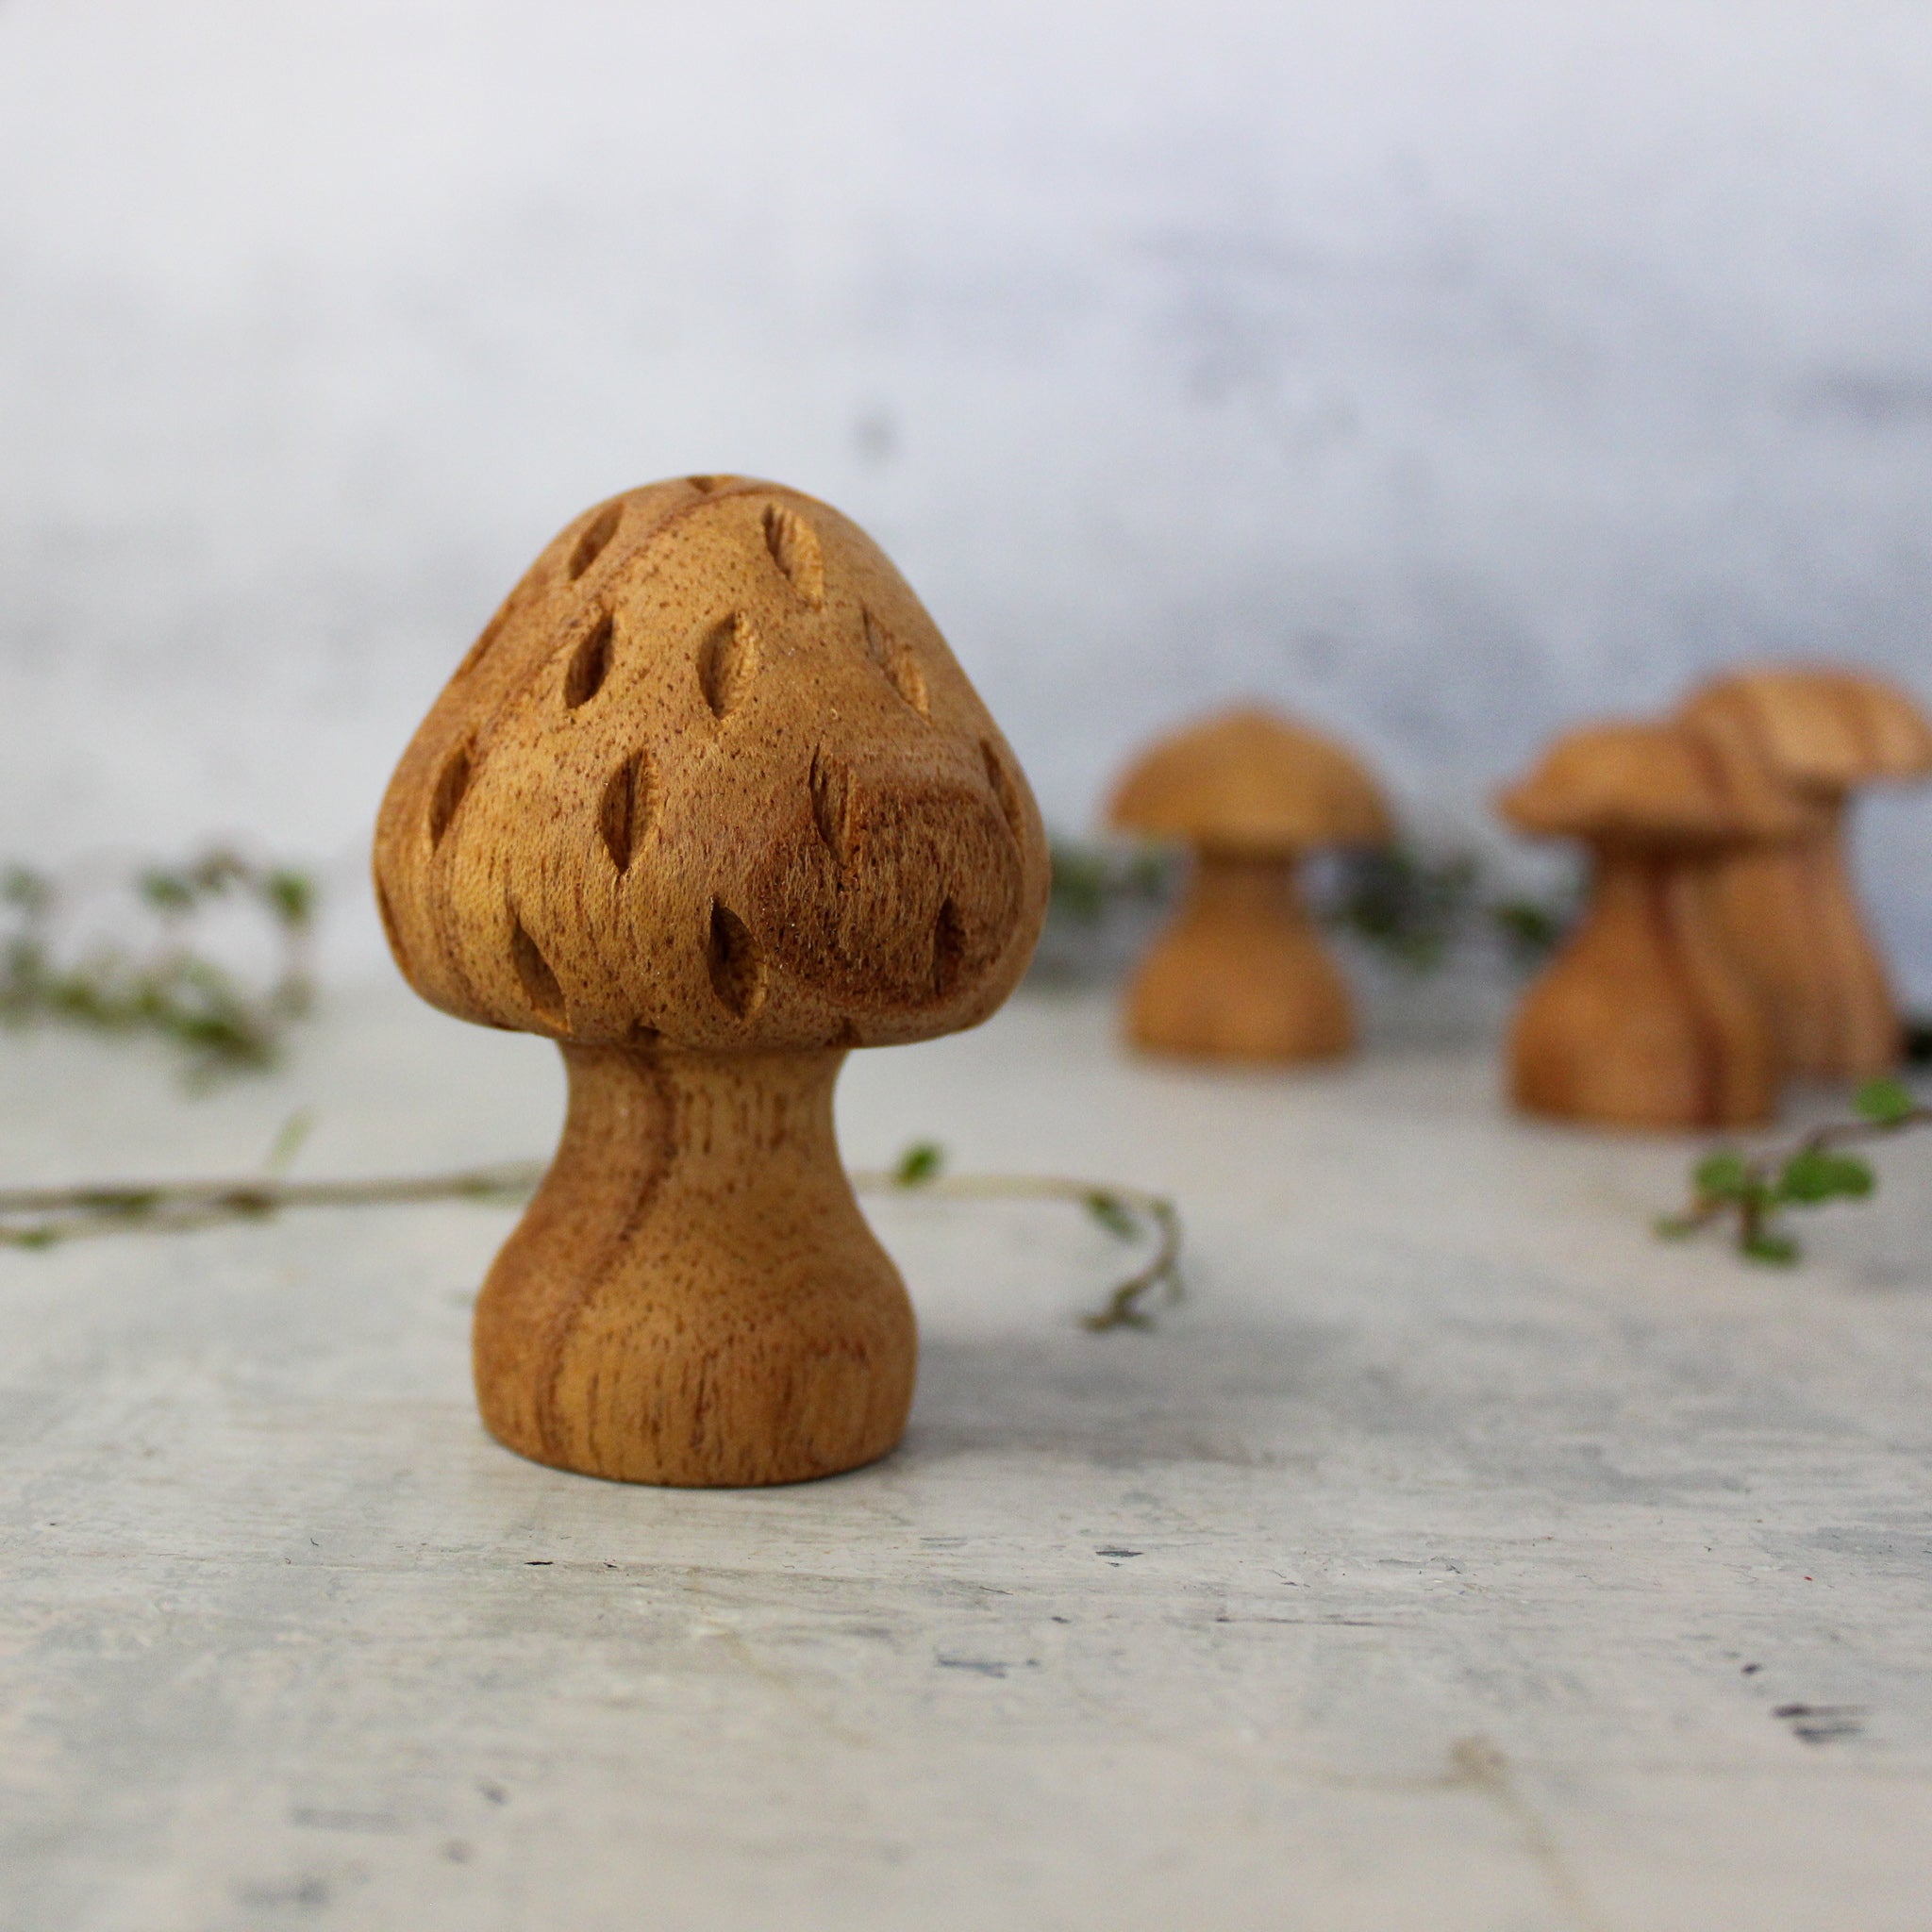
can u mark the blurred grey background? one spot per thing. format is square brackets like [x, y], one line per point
[1446, 373]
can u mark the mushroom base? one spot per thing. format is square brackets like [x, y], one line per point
[1790, 918]
[1644, 1020]
[692, 1297]
[1242, 974]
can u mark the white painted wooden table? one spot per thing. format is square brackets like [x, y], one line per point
[1446, 1561]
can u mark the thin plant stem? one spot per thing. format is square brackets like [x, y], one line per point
[1752, 1189]
[1760, 1173]
[1107, 1204]
[45, 1217]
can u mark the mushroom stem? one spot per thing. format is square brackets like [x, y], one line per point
[1241, 973]
[1790, 917]
[692, 1297]
[1644, 1020]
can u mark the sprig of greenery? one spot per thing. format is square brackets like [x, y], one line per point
[1532, 929]
[1126, 1213]
[166, 989]
[1751, 1191]
[1413, 907]
[1091, 880]
[1418, 908]
[44, 1217]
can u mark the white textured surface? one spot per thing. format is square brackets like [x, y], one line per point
[1445, 372]
[1408, 1576]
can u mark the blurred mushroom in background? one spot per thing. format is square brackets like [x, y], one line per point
[1242, 972]
[1790, 911]
[1644, 1020]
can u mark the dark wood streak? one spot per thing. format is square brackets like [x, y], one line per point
[559, 1209]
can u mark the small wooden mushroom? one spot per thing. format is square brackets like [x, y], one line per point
[708, 803]
[1790, 911]
[1241, 973]
[1644, 1020]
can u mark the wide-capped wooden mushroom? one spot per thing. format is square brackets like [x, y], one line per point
[1644, 1020]
[1241, 973]
[1790, 911]
[708, 803]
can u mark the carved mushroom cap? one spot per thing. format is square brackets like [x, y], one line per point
[1819, 728]
[1662, 784]
[1251, 781]
[711, 775]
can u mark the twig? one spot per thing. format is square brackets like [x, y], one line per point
[43, 1217]
[179, 1206]
[1807, 1174]
[1115, 1207]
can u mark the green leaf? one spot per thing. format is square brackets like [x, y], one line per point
[290, 896]
[216, 871]
[1724, 1176]
[1773, 1250]
[1090, 880]
[1410, 905]
[32, 892]
[922, 1162]
[1815, 1173]
[167, 892]
[1884, 1103]
[1530, 928]
[289, 1140]
[1112, 1214]
[1080, 883]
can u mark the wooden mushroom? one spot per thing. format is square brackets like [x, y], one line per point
[1241, 973]
[708, 803]
[1790, 911]
[1644, 1020]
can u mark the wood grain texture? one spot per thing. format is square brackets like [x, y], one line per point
[1644, 1019]
[1242, 974]
[1789, 912]
[693, 1296]
[708, 803]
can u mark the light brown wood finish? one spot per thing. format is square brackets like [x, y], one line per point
[708, 803]
[1644, 1020]
[1789, 912]
[1241, 973]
